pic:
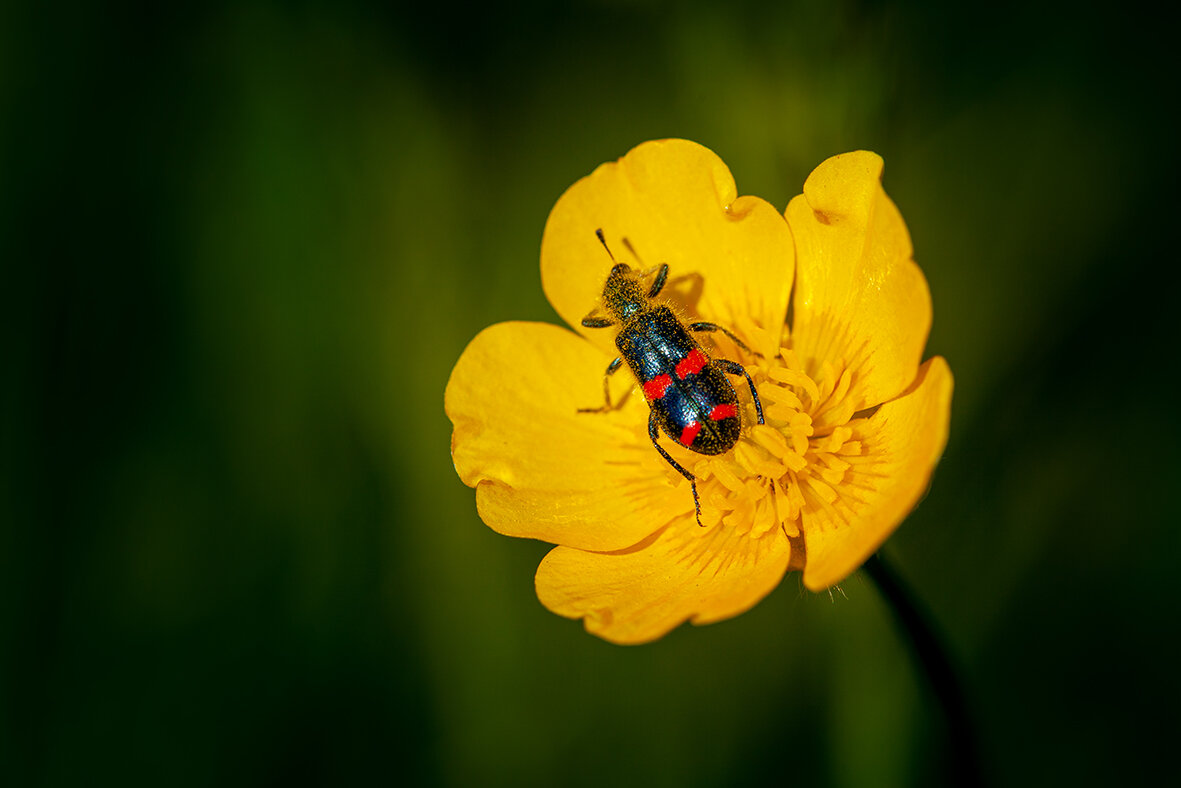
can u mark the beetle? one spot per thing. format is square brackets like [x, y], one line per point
[689, 396]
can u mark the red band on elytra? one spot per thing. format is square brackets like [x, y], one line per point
[692, 363]
[722, 412]
[689, 433]
[655, 388]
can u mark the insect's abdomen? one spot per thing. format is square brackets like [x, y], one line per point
[701, 415]
[693, 401]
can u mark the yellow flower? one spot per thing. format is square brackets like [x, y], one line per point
[854, 425]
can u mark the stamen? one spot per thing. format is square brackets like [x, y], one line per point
[799, 461]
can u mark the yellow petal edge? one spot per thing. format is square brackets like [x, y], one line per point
[861, 302]
[903, 442]
[638, 595]
[540, 468]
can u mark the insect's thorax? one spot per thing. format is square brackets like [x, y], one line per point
[653, 341]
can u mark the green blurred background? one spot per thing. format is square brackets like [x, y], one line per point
[244, 243]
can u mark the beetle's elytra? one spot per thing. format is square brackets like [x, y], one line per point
[689, 395]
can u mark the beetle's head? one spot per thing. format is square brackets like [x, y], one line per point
[624, 294]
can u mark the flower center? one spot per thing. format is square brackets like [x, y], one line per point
[794, 462]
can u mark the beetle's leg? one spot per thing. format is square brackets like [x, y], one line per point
[661, 270]
[654, 434]
[658, 282]
[597, 322]
[734, 368]
[703, 326]
[611, 368]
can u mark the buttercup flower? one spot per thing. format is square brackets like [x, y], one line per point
[835, 314]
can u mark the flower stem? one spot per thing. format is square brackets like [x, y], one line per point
[931, 655]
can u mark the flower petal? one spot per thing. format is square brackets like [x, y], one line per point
[684, 572]
[900, 445]
[540, 468]
[675, 202]
[861, 302]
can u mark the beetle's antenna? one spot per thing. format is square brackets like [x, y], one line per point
[603, 241]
